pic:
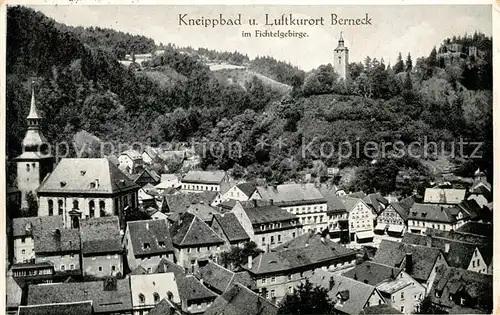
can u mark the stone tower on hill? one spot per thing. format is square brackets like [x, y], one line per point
[33, 164]
[341, 59]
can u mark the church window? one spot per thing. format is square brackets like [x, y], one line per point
[51, 207]
[75, 204]
[141, 298]
[156, 297]
[60, 207]
[91, 208]
[102, 208]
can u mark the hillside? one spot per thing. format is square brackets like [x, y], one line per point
[243, 77]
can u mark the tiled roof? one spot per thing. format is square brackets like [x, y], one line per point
[444, 195]
[355, 294]
[372, 273]
[152, 152]
[376, 201]
[401, 210]
[79, 308]
[315, 240]
[240, 300]
[231, 227]
[430, 212]
[334, 204]
[119, 300]
[191, 288]
[100, 235]
[477, 228]
[25, 226]
[290, 194]
[81, 176]
[221, 279]
[298, 257]
[259, 212]
[163, 308]
[56, 241]
[357, 195]
[450, 281]
[204, 177]
[153, 232]
[393, 254]
[246, 188]
[132, 154]
[158, 265]
[192, 231]
[181, 202]
[14, 292]
[203, 211]
[227, 205]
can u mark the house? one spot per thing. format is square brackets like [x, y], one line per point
[477, 228]
[102, 249]
[423, 260]
[423, 216]
[148, 197]
[194, 241]
[240, 192]
[147, 239]
[398, 288]
[239, 300]
[197, 181]
[479, 181]
[219, 279]
[377, 202]
[350, 296]
[265, 223]
[131, 159]
[470, 255]
[147, 177]
[278, 272]
[361, 218]
[195, 297]
[227, 226]
[158, 265]
[203, 211]
[336, 212]
[179, 203]
[168, 181]
[394, 219]
[108, 296]
[86, 188]
[165, 307]
[149, 155]
[303, 200]
[458, 291]
[22, 232]
[80, 308]
[444, 196]
[61, 247]
[147, 290]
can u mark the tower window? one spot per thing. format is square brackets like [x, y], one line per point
[340, 60]
[102, 208]
[60, 206]
[75, 204]
[91, 208]
[51, 207]
[27, 167]
[33, 165]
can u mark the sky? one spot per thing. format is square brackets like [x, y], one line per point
[413, 29]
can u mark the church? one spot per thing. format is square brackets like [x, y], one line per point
[341, 59]
[76, 188]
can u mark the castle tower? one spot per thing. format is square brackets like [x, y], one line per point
[33, 164]
[341, 59]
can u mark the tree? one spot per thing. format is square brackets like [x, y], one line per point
[32, 210]
[238, 256]
[399, 66]
[409, 63]
[308, 299]
[427, 307]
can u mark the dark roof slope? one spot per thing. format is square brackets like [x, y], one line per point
[153, 232]
[393, 254]
[191, 288]
[334, 204]
[163, 308]
[221, 279]
[376, 201]
[246, 188]
[264, 213]
[431, 212]
[372, 273]
[100, 235]
[179, 203]
[81, 308]
[25, 226]
[118, 300]
[477, 228]
[240, 300]
[79, 176]
[204, 177]
[231, 227]
[401, 210]
[56, 241]
[450, 281]
[192, 231]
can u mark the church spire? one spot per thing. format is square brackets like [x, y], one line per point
[33, 116]
[341, 39]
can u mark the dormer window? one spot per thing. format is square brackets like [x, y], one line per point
[146, 246]
[92, 185]
[82, 172]
[161, 244]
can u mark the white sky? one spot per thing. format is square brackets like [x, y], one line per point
[413, 28]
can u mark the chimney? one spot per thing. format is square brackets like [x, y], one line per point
[331, 283]
[97, 183]
[109, 283]
[271, 202]
[57, 233]
[446, 248]
[409, 263]
[255, 203]
[250, 261]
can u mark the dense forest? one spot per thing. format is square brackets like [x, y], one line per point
[82, 86]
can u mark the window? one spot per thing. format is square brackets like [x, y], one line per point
[27, 167]
[23, 240]
[273, 279]
[340, 60]
[161, 244]
[51, 207]
[402, 295]
[189, 250]
[272, 239]
[290, 289]
[91, 208]
[293, 234]
[63, 267]
[60, 206]
[23, 251]
[198, 249]
[273, 293]
[156, 297]
[402, 309]
[102, 208]
[473, 263]
[146, 246]
[72, 267]
[279, 238]
[263, 281]
[100, 268]
[263, 241]
[142, 299]
[113, 268]
[289, 277]
[75, 204]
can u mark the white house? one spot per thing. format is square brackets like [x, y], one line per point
[149, 289]
[240, 192]
[131, 159]
[198, 181]
[361, 219]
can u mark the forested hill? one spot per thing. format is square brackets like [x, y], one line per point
[82, 86]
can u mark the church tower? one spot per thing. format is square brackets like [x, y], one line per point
[341, 59]
[34, 163]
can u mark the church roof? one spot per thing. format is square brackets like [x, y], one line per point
[33, 114]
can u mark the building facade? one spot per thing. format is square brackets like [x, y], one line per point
[198, 181]
[341, 59]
